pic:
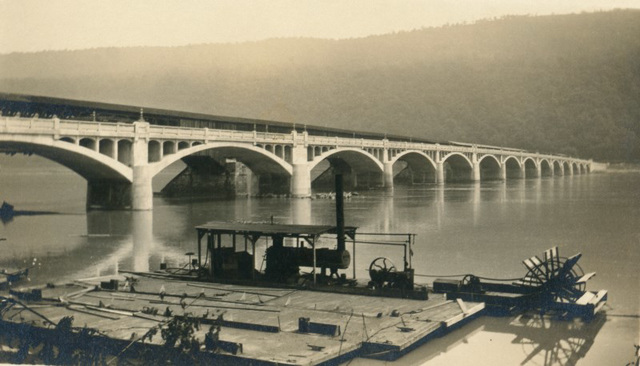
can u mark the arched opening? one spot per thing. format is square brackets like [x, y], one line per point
[545, 169]
[68, 139]
[224, 171]
[108, 182]
[183, 145]
[359, 170]
[512, 168]
[125, 152]
[558, 168]
[457, 168]
[168, 147]
[413, 168]
[287, 154]
[107, 147]
[489, 168]
[530, 169]
[278, 151]
[567, 168]
[154, 151]
[576, 168]
[88, 143]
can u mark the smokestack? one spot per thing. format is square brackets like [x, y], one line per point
[340, 212]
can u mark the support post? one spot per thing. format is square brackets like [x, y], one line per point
[440, 172]
[475, 174]
[141, 189]
[503, 171]
[301, 177]
[388, 176]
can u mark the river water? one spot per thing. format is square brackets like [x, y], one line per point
[486, 229]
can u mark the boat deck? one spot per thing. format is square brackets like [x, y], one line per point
[258, 325]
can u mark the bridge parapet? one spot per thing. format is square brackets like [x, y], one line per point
[77, 128]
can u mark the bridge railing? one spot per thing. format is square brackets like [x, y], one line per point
[66, 127]
[78, 128]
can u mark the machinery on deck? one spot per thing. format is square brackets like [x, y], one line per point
[230, 252]
[553, 284]
[383, 273]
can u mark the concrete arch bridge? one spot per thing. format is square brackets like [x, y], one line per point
[120, 160]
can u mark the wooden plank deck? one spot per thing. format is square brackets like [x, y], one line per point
[264, 320]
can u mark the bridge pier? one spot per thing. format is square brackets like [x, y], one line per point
[440, 172]
[475, 174]
[503, 171]
[141, 188]
[387, 181]
[301, 174]
[301, 181]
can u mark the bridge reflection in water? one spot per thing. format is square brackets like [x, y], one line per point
[125, 239]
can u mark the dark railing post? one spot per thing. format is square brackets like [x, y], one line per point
[340, 212]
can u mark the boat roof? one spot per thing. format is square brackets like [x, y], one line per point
[269, 229]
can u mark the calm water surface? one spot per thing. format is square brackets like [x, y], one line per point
[486, 229]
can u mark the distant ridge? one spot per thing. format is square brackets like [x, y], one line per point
[564, 84]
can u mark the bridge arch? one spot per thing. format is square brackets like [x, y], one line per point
[530, 167]
[257, 159]
[457, 167]
[558, 168]
[489, 167]
[88, 163]
[417, 165]
[568, 168]
[359, 168]
[576, 168]
[221, 168]
[351, 156]
[512, 167]
[546, 168]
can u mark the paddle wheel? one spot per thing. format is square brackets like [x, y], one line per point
[552, 284]
[556, 279]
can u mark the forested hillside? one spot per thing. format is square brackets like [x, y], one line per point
[563, 84]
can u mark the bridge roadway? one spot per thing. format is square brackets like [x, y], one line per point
[120, 160]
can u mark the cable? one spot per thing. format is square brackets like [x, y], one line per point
[344, 333]
[468, 274]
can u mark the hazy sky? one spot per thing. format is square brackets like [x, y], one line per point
[34, 25]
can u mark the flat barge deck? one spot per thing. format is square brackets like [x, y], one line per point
[252, 325]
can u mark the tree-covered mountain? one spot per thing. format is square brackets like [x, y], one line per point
[563, 83]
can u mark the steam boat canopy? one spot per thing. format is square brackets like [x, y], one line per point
[231, 251]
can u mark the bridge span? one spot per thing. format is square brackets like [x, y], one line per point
[120, 160]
